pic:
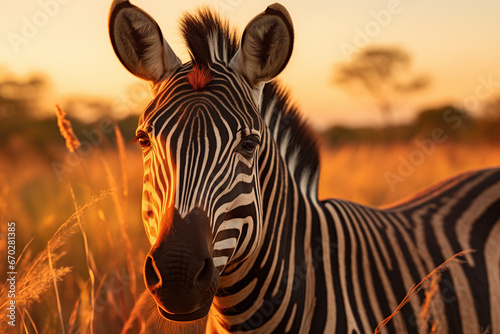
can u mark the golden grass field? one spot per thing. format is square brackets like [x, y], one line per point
[358, 172]
[81, 273]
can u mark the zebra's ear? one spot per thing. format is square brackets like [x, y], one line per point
[139, 43]
[266, 46]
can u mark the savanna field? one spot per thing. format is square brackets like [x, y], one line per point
[79, 237]
[72, 240]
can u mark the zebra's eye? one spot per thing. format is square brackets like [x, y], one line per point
[248, 145]
[143, 140]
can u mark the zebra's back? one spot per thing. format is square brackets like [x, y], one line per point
[385, 251]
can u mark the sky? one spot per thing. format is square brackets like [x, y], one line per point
[456, 43]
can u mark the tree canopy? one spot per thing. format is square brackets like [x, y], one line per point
[382, 72]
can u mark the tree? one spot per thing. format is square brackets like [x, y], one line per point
[383, 73]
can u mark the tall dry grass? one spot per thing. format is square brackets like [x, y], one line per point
[84, 278]
[36, 276]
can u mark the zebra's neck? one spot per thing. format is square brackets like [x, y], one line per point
[273, 288]
[295, 141]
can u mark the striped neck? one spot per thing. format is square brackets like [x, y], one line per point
[295, 141]
[271, 289]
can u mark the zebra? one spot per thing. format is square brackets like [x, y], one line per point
[238, 235]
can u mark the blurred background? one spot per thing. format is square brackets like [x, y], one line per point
[402, 94]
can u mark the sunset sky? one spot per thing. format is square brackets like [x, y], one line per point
[455, 42]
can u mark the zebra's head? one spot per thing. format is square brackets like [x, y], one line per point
[201, 136]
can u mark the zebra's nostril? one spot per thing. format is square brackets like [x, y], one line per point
[151, 275]
[203, 278]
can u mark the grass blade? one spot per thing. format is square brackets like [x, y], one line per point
[56, 290]
[89, 269]
[416, 288]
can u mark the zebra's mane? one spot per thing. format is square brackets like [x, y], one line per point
[210, 39]
[295, 139]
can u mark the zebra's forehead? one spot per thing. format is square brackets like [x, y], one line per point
[220, 96]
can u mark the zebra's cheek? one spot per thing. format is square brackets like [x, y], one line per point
[150, 225]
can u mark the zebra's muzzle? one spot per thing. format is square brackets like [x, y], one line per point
[179, 271]
[198, 314]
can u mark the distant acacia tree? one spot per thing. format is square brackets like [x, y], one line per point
[383, 73]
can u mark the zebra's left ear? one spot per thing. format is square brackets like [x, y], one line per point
[139, 43]
[266, 46]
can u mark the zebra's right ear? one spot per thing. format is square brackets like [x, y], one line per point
[139, 43]
[266, 46]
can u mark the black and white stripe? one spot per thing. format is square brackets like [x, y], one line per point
[337, 266]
